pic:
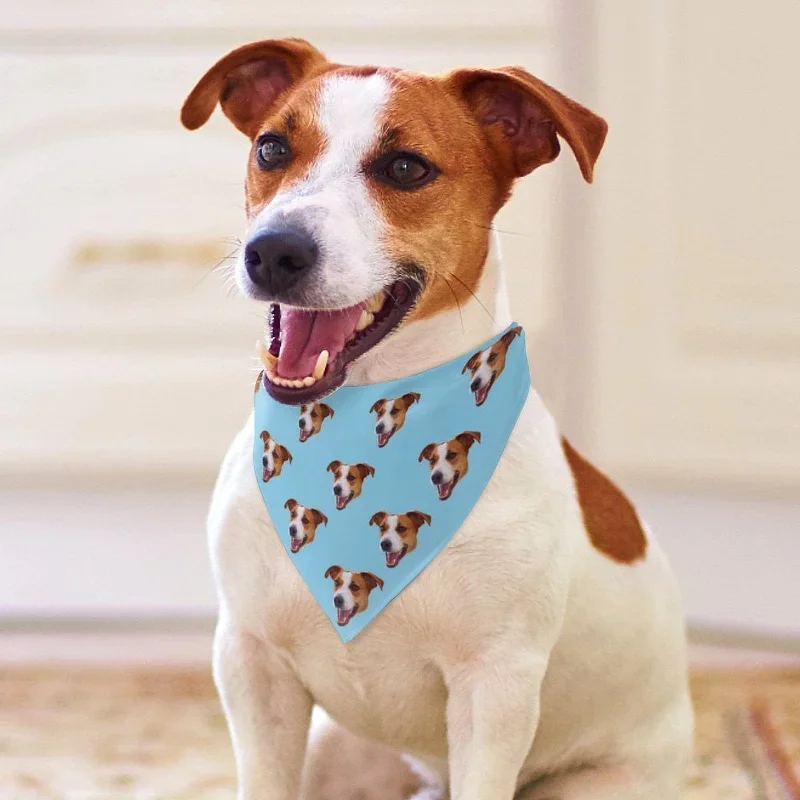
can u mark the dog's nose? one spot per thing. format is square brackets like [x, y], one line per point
[436, 477]
[293, 529]
[302, 423]
[475, 385]
[337, 489]
[276, 259]
[386, 545]
[379, 428]
[338, 600]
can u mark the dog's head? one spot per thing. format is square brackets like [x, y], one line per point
[486, 366]
[312, 415]
[303, 522]
[398, 533]
[274, 457]
[392, 415]
[351, 591]
[449, 461]
[366, 186]
[348, 480]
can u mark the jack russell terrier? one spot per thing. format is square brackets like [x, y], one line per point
[449, 461]
[312, 415]
[486, 366]
[348, 481]
[303, 523]
[274, 457]
[398, 533]
[391, 415]
[351, 591]
[553, 667]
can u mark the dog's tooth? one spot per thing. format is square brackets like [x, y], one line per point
[297, 383]
[365, 320]
[319, 367]
[264, 355]
[271, 376]
[309, 381]
[375, 302]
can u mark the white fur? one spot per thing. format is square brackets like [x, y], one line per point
[391, 535]
[268, 456]
[296, 522]
[520, 652]
[386, 418]
[483, 374]
[347, 596]
[443, 466]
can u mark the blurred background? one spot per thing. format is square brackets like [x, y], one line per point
[662, 303]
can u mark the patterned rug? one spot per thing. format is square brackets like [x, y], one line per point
[158, 734]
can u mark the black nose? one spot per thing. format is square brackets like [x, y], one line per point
[302, 422]
[293, 529]
[338, 600]
[277, 259]
[475, 385]
[386, 545]
[436, 478]
[379, 427]
[337, 489]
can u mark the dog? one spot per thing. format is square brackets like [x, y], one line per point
[398, 533]
[274, 457]
[348, 481]
[486, 366]
[303, 522]
[312, 415]
[391, 415]
[351, 591]
[449, 461]
[551, 667]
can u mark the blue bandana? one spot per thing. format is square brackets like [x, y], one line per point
[366, 488]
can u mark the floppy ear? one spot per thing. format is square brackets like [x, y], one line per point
[333, 466]
[419, 517]
[523, 117]
[285, 454]
[377, 405]
[365, 469]
[333, 572]
[411, 397]
[468, 438]
[326, 410]
[472, 363]
[291, 504]
[264, 436]
[427, 451]
[319, 517]
[372, 580]
[249, 80]
[509, 336]
[377, 518]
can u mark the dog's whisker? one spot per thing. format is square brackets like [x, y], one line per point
[500, 230]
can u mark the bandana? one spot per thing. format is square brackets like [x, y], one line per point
[366, 488]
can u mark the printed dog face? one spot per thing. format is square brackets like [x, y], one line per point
[351, 591]
[348, 480]
[275, 456]
[487, 365]
[398, 533]
[392, 415]
[312, 415]
[346, 163]
[448, 461]
[303, 522]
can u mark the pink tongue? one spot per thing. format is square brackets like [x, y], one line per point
[305, 334]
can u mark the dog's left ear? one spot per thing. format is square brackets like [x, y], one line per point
[248, 81]
[365, 469]
[319, 517]
[411, 397]
[372, 580]
[264, 436]
[326, 410]
[509, 336]
[523, 117]
[468, 438]
[285, 454]
[419, 517]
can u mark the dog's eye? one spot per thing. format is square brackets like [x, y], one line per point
[492, 358]
[404, 170]
[351, 478]
[304, 520]
[272, 151]
[451, 456]
[314, 415]
[394, 412]
[354, 587]
[401, 529]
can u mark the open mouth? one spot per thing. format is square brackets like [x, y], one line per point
[342, 500]
[343, 616]
[305, 434]
[483, 392]
[310, 350]
[446, 489]
[296, 544]
[383, 438]
[393, 559]
[267, 474]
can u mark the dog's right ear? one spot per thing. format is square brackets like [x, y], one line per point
[333, 572]
[377, 518]
[264, 436]
[247, 82]
[427, 452]
[472, 363]
[333, 466]
[377, 406]
[291, 504]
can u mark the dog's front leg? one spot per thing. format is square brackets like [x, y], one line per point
[492, 714]
[268, 713]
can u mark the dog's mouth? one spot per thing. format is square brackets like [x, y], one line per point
[393, 559]
[305, 433]
[267, 474]
[310, 350]
[383, 438]
[343, 616]
[296, 544]
[482, 392]
[342, 500]
[446, 489]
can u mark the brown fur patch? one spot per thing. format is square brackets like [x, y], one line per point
[610, 519]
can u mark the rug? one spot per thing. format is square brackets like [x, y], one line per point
[159, 734]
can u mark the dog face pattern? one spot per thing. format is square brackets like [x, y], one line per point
[392, 415]
[303, 522]
[487, 365]
[372, 509]
[274, 457]
[348, 480]
[449, 461]
[351, 591]
[312, 415]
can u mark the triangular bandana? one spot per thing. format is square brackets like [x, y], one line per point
[366, 488]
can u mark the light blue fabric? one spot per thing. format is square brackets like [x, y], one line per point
[401, 483]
